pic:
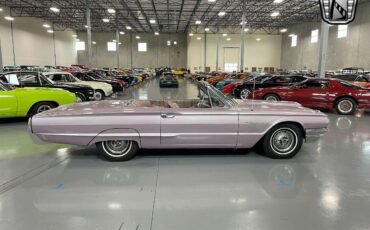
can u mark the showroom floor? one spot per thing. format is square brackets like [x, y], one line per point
[49, 186]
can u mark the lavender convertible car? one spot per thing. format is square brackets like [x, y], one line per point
[120, 128]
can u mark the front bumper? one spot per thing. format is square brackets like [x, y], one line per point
[313, 135]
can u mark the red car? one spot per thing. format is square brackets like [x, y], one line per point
[228, 89]
[320, 93]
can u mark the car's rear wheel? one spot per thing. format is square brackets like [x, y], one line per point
[271, 97]
[245, 93]
[283, 141]
[80, 98]
[99, 95]
[346, 106]
[41, 107]
[117, 150]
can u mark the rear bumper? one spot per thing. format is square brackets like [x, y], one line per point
[313, 135]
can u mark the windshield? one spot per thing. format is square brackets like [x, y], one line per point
[217, 98]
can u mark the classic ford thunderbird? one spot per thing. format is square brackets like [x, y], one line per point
[120, 128]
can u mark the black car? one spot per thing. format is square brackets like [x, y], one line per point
[91, 76]
[36, 79]
[107, 73]
[242, 91]
[168, 81]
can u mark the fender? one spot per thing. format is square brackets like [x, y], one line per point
[117, 134]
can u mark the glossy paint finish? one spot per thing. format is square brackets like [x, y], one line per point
[63, 187]
[171, 123]
[323, 98]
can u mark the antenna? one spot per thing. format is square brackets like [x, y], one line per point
[254, 87]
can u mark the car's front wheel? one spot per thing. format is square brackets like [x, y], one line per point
[282, 141]
[245, 93]
[117, 150]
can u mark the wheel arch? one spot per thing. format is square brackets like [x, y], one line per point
[117, 134]
[296, 123]
[265, 94]
[36, 103]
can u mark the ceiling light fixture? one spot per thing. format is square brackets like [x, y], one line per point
[275, 14]
[105, 20]
[228, 39]
[199, 38]
[291, 35]
[241, 23]
[246, 29]
[222, 13]
[258, 39]
[9, 18]
[121, 32]
[284, 30]
[224, 35]
[94, 43]
[206, 29]
[191, 34]
[198, 22]
[152, 21]
[114, 40]
[128, 27]
[211, 0]
[54, 9]
[1, 9]
[137, 37]
[278, 1]
[156, 33]
[74, 35]
[46, 25]
[111, 11]
[50, 31]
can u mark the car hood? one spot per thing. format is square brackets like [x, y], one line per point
[273, 107]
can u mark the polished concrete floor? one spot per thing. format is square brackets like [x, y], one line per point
[49, 186]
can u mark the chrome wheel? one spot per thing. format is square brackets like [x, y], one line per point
[43, 108]
[245, 93]
[117, 148]
[284, 141]
[345, 106]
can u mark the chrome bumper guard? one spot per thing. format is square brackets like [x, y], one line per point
[313, 135]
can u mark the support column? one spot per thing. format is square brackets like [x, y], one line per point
[55, 52]
[205, 51]
[242, 38]
[117, 48]
[217, 45]
[11, 28]
[131, 51]
[89, 49]
[1, 59]
[324, 37]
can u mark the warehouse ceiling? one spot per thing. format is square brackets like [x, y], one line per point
[168, 16]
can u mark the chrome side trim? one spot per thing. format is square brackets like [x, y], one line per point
[313, 135]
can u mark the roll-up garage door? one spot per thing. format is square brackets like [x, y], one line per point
[231, 59]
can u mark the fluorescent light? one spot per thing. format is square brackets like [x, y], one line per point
[222, 13]
[54, 9]
[191, 34]
[121, 32]
[199, 38]
[1, 9]
[241, 23]
[152, 21]
[258, 39]
[156, 33]
[275, 14]
[291, 35]
[111, 11]
[74, 35]
[211, 0]
[128, 27]
[278, 1]
[137, 37]
[9, 18]
[246, 29]
[105, 20]
[283, 30]
[119, 43]
[114, 40]
[224, 35]
[175, 42]
[86, 26]
[206, 29]
[198, 22]
[50, 31]
[46, 25]
[228, 39]
[94, 43]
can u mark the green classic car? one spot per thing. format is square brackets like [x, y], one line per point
[23, 102]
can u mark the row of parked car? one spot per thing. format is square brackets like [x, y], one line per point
[30, 90]
[341, 92]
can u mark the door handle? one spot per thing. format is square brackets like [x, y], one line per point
[167, 116]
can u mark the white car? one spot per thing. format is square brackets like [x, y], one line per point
[101, 89]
